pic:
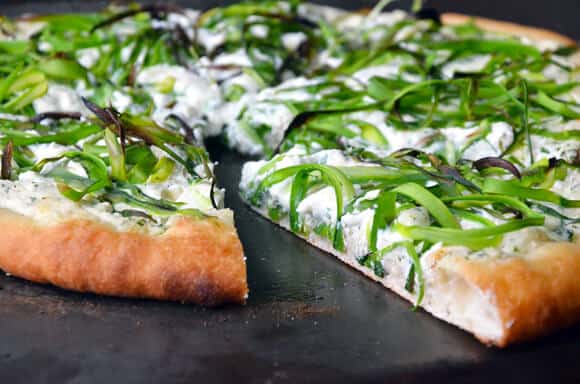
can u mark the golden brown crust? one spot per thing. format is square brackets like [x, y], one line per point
[198, 261]
[537, 34]
[534, 295]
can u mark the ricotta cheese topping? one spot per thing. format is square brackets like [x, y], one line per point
[59, 98]
[176, 90]
[38, 198]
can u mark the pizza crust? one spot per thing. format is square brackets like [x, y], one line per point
[195, 260]
[506, 27]
[534, 294]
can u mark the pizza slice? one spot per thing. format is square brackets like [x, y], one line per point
[106, 186]
[120, 207]
[441, 161]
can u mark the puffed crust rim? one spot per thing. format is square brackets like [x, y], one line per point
[534, 294]
[194, 260]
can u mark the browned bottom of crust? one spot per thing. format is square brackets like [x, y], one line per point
[198, 261]
[533, 33]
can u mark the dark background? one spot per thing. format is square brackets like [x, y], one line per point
[560, 15]
[309, 318]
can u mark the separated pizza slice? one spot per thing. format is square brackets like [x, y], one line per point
[112, 203]
[120, 200]
[448, 171]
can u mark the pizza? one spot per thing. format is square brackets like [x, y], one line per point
[436, 154]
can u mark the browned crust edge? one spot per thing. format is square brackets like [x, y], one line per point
[533, 33]
[534, 295]
[199, 261]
